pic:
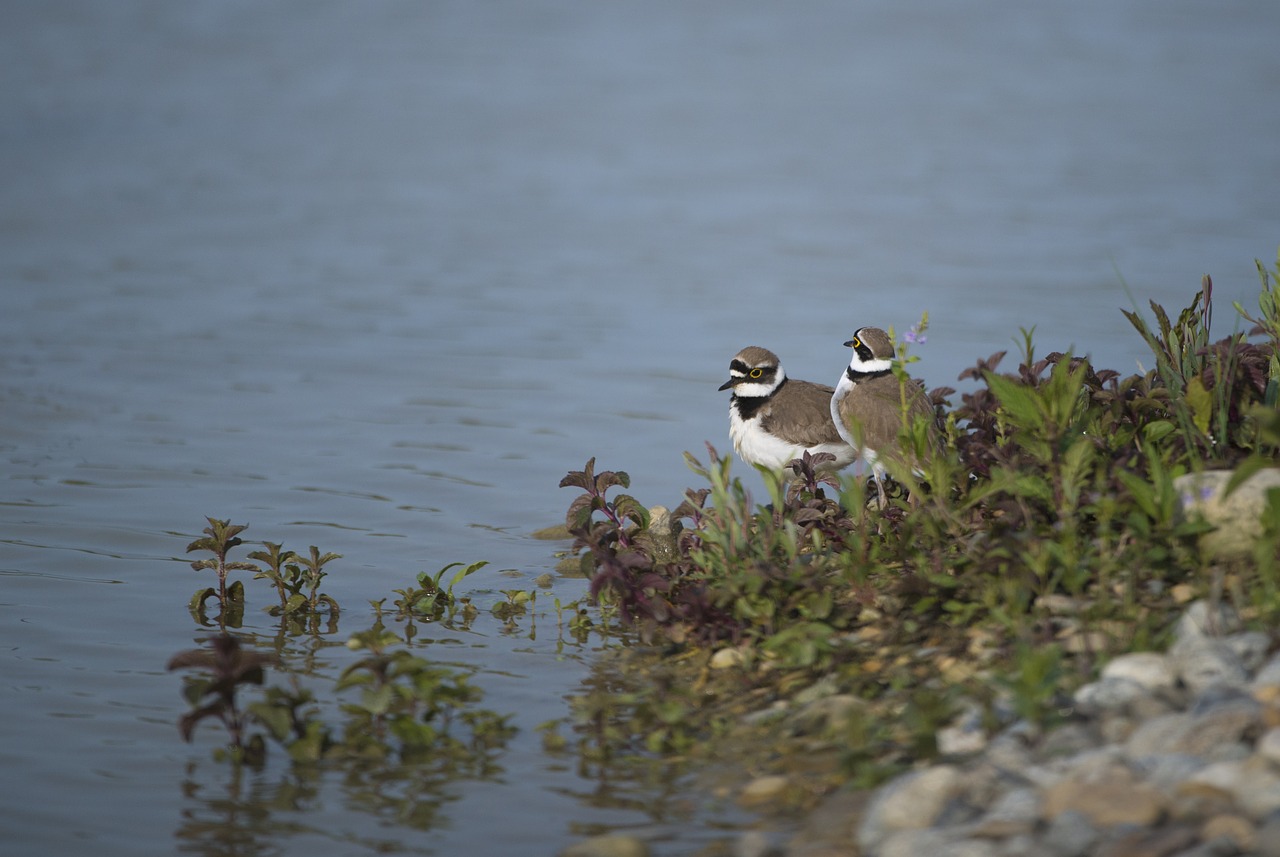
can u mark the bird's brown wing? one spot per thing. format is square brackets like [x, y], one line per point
[873, 410]
[802, 410]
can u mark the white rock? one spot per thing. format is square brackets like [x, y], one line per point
[1250, 647]
[1202, 662]
[1237, 517]
[1015, 812]
[1252, 783]
[1202, 619]
[964, 736]
[934, 843]
[1151, 670]
[1108, 694]
[1166, 770]
[1269, 745]
[1071, 834]
[727, 659]
[1268, 675]
[913, 801]
[1158, 735]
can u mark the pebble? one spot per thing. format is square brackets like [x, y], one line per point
[1167, 755]
[1107, 803]
[609, 845]
[910, 802]
[727, 659]
[1150, 670]
[764, 790]
[1236, 828]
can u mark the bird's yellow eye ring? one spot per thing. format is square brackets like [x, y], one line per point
[857, 343]
[756, 373]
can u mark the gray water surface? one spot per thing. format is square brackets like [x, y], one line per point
[374, 276]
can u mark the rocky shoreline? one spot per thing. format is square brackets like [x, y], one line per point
[1166, 755]
[1173, 754]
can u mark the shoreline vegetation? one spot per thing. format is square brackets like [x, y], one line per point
[825, 645]
[1057, 635]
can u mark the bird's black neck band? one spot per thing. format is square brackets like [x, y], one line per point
[858, 377]
[748, 405]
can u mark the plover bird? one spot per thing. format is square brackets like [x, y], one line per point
[868, 405]
[774, 419]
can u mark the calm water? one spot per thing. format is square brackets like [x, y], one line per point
[375, 276]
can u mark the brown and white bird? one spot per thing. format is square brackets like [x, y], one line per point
[867, 407]
[774, 419]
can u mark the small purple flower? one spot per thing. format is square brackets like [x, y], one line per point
[914, 336]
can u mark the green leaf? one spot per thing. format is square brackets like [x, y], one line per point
[1143, 493]
[1021, 403]
[1200, 403]
[627, 506]
[197, 600]
[466, 572]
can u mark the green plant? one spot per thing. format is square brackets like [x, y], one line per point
[309, 572]
[220, 537]
[1044, 533]
[279, 568]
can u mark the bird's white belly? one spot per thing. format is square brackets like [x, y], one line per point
[756, 446]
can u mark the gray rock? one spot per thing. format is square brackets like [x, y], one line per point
[1221, 724]
[754, 843]
[1250, 647]
[1110, 802]
[912, 801]
[1108, 694]
[1150, 670]
[1268, 746]
[1240, 832]
[1221, 846]
[1237, 517]
[965, 735]
[1020, 846]
[1268, 842]
[935, 843]
[1166, 770]
[1204, 619]
[1202, 662]
[1071, 834]
[1163, 734]
[1268, 674]
[1009, 753]
[1015, 813]
[1069, 739]
[1252, 783]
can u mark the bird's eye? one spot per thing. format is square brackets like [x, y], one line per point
[756, 373]
[857, 343]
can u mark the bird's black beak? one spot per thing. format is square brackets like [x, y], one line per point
[849, 344]
[727, 384]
